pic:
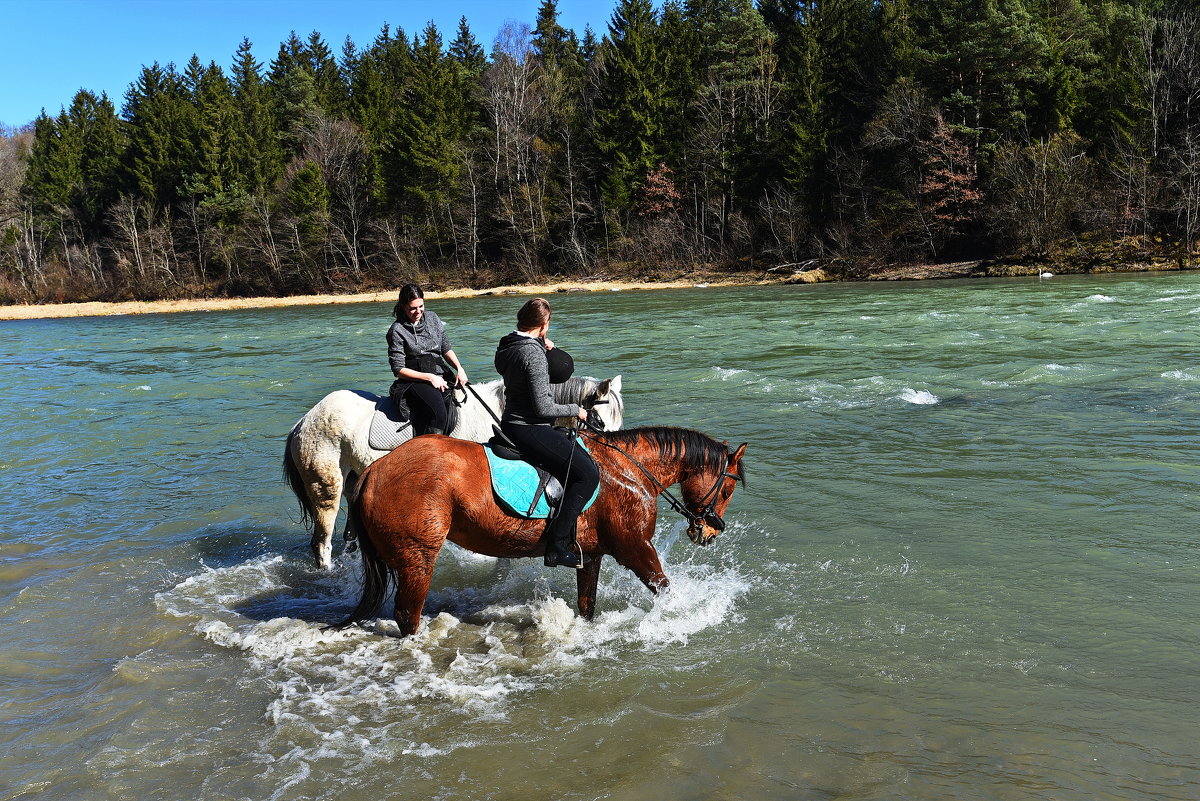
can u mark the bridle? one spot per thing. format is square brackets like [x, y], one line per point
[708, 510]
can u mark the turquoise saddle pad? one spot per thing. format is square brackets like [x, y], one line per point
[515, 484]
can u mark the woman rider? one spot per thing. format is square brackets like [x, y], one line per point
[415, 341]
[529, 414]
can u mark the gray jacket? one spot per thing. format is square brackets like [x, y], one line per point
[406, 343]
[521, 360]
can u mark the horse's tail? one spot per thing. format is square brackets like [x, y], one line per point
[291, 474]
[377, 576]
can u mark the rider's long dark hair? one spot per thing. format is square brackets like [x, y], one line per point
[408, 293]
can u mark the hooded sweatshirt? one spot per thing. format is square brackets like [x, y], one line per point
[521, 361]
[407, 343]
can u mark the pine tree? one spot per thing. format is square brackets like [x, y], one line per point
[422, 160]
[257, 160]
[213, 168]
[159, 117]
[467, 58]
[560, 81]
[54, 164]
[294, 95]
[629, 116]
[981, 61]
[101, 142]
[332, 93]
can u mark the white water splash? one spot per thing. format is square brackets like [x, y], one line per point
[480, 647]
[919, 397]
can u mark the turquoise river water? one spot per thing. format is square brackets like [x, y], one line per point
[966, 565]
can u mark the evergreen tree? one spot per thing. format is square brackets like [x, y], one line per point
[563, 128]
[422, 160]
[681, 52]
[332, 93]
[294, 93]
[101, 142]
[160, 123]
[981, 61]
[467, 53]
[468, 60]
[213, 168]
[257, 160]
[629, 116]
[54, 164]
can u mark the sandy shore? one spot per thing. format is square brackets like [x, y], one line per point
[95, 309]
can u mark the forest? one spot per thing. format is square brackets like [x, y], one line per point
[717, 135]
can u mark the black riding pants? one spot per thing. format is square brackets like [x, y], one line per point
[551, 450]
[428, 407]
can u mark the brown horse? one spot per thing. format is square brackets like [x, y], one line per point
[434, 488]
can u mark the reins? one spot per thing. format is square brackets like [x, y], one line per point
[709, 501]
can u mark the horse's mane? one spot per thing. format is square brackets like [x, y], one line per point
[574, 390]
[577, 389]
[697, 451]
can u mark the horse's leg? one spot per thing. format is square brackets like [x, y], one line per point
[587, 578]
[642, 559]
[326, 493]
[320, 475]
[413, 576]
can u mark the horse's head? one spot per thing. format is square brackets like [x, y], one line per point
[603, 396]
[706, 495]
[608, 403]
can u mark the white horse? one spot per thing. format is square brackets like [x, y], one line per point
[329, 447]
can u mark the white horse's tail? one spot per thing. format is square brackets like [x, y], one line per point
[291, 474]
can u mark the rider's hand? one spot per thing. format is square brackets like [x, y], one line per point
[549, 344]
[582, 415]
[461, 379]
[594, 421]
[437, 381]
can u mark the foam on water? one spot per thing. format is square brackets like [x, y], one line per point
[918, 396]
[479, 648]
[817, 393]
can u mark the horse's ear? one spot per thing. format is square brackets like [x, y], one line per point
[737, 455]
[614, 385]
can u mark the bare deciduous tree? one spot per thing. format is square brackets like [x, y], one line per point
[1037, 190]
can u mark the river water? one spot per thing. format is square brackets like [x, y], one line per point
[965, 566]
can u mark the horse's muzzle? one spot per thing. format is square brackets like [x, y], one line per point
[702, 533]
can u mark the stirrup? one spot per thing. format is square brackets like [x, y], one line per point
[557, 559]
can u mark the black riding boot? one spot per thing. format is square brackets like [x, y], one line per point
[561, 548]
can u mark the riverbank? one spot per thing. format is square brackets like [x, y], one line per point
[100, 309]
[1110, 262]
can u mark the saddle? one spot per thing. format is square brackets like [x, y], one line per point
[520, 488]
[391, 426]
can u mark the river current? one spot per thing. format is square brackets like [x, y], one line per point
[965, 565]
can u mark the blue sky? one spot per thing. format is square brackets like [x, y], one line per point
[50, 49]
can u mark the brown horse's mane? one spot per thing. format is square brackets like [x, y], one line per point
[697, 451]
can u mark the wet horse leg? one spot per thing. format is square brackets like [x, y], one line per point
[642, 559]
[413, 576]
[586, 579]
[325, 491]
